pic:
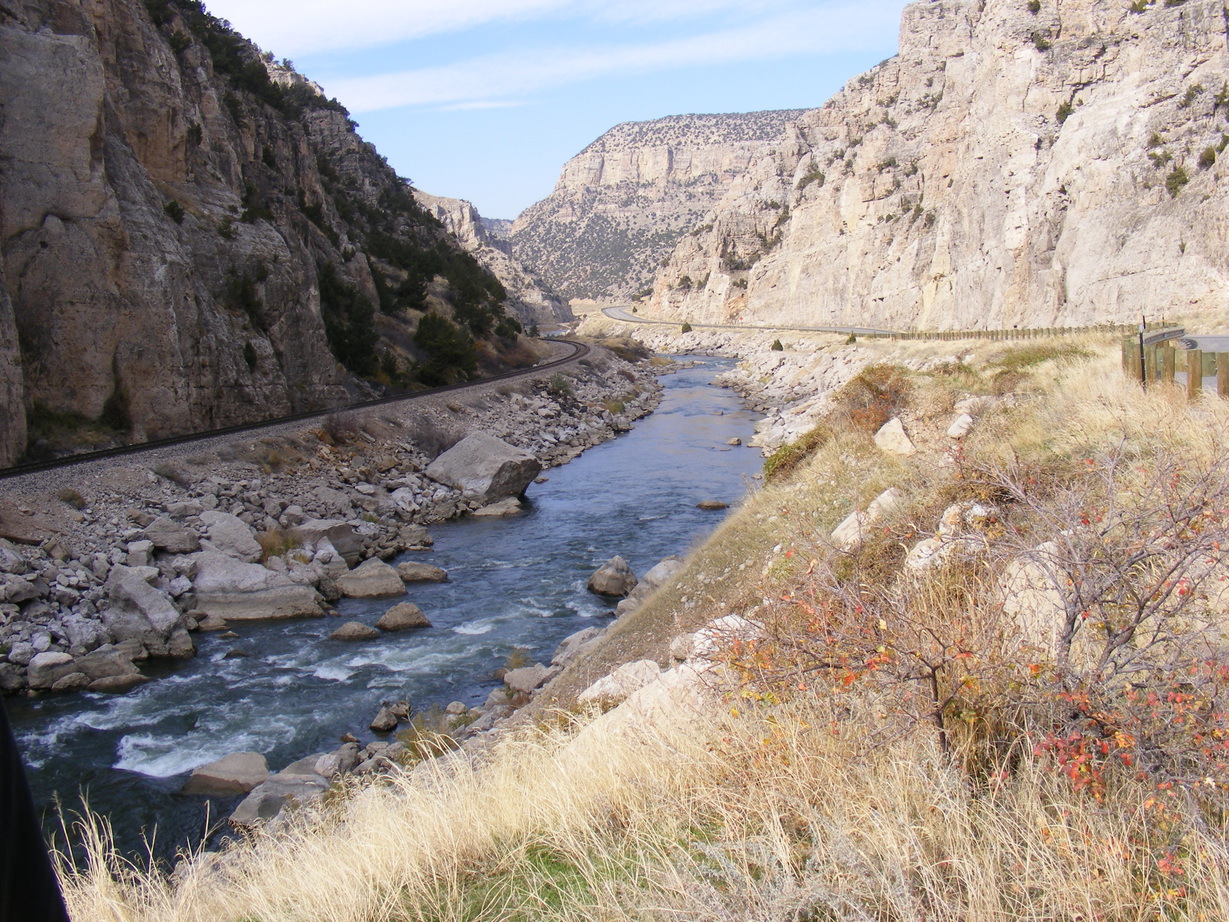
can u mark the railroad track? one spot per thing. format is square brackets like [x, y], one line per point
[579, 351]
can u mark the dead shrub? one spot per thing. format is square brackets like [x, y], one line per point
[872, 397]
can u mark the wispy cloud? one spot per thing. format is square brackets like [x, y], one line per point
[291, 27]
[294, 27]
[848, 27]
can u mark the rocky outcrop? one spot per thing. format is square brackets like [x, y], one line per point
[192, 236]
[1016, 164]
[529, 297]
[622, 203]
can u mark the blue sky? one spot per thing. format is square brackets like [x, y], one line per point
[486, 99]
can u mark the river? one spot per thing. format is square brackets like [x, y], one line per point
[285, 689]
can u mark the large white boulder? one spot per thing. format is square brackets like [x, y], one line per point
[484, 468]
[138, 611]
[236, 591]
[230, 535]
[236, 773]
[372, 579]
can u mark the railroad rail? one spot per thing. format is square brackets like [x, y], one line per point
[579, 351]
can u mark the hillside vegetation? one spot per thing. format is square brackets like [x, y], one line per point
[194, 236]
[1027, 721]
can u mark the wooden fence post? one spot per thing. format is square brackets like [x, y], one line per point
[1168, 356]
[1194, 373]
[1222, 374]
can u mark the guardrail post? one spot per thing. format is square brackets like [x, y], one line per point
[1168, 356]
[1194, 373]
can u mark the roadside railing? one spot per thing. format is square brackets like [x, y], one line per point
[1170, 355]
[1012, 334]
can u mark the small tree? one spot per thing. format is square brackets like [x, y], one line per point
[686, 328]
[776, 346]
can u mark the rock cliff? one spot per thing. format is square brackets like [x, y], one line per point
[1034, 164]
[529, 298]
[622, 203]
[192, 236]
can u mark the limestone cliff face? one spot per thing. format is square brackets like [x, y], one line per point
[1057, 167]
[529, 297]
[190, 236]
[623, 202]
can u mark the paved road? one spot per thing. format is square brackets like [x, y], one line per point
[621, 313]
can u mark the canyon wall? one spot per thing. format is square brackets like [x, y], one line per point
[622, 203]
[190, 235]
[529, 297]
[1031, 164]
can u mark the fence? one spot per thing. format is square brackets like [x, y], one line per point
[1156, 360]
[1013, 334]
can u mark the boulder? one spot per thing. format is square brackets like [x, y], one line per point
[528, 678]
[11, 559]
[140, 554]
[848, 535]
[168, 535]
[613, 578]
[384, 722]
[574, 645]
[401, 617]
[45, 669]
[341, 535]
[231, 536]
[662, 572]
[236, 773]
[74, 681]
[268, 799]
[354, 630]
[960, 426]
[411, 571]
[138, 611]
[232, 590]
[327, 560]
[712, 505]
[891, 438]
[372, 579]
[484, 468]
[508, 506]
[621, 683]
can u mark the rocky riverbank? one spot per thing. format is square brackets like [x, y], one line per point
[789, 377]
[106, 564]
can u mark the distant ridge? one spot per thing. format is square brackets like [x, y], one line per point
[622, 203]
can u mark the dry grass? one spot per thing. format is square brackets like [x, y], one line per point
[782, 813]
[831, 802]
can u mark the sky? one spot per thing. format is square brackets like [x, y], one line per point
[487, 99]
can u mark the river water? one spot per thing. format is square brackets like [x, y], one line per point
[285, 689]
